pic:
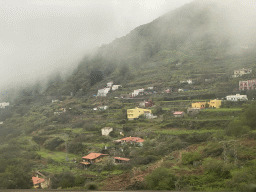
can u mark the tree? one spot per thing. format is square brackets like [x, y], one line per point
[250, 114]
[161, 179]
[95, 77]
[14, 177]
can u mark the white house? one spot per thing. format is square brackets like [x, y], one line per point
[103, 92]
[106, 130]
[103, 107]
[109, 84]
[55, 101]
[237, 97]
[150, 116]
[4, 104]
[115, 87]
[189, 81]
[150, 87]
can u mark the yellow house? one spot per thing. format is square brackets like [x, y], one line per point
[215, 103]
[212, 103]
[135, 113]
[198, 105]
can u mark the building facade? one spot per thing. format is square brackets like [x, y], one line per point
[247, 85]
[236, 97]
[135, 113]
[241, 72]
[202, 105]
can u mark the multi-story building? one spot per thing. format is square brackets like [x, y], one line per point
[103, 92]
[247, 85]
[135, 113]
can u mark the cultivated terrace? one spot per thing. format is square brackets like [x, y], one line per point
[150, 116]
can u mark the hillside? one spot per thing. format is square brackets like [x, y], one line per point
[183, 57]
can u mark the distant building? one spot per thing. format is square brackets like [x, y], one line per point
[135, 113]
[121, 160]
[103, 92]
[106, 130]
[62, 110]
[131, 140]
[150, 87]
[193, 111]
[178, 114]
[202, 105]
[103, 107]
[237, 97]
[92, 158]
[167, 91]
[189, 81]
[137, 92]
[146, 104]
[4, 104]
[109, 84]
[241, 72]
[247, 85]
[40, 183]
[199, 105]
[150, 116]
[55, 101]
[115, 87]
[215, 103]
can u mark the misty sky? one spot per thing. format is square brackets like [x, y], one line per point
[38, 37]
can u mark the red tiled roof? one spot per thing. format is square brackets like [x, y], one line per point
[93, 156]
[121, 158]
[135, 139]
[178, 112]
[37, 180]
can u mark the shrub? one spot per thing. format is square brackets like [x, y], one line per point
[237, 128]
[108, 164]
[76, 147]
[161, 179]
[90, 127]
[190, 157]
[113, 134]
[78, 124]
[53, 143]
[91, 186]
[127, 129]
[137, 185]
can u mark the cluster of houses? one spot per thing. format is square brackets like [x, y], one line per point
[94, 158]
[103, 92]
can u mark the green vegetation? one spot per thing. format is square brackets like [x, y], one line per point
[213, 150]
